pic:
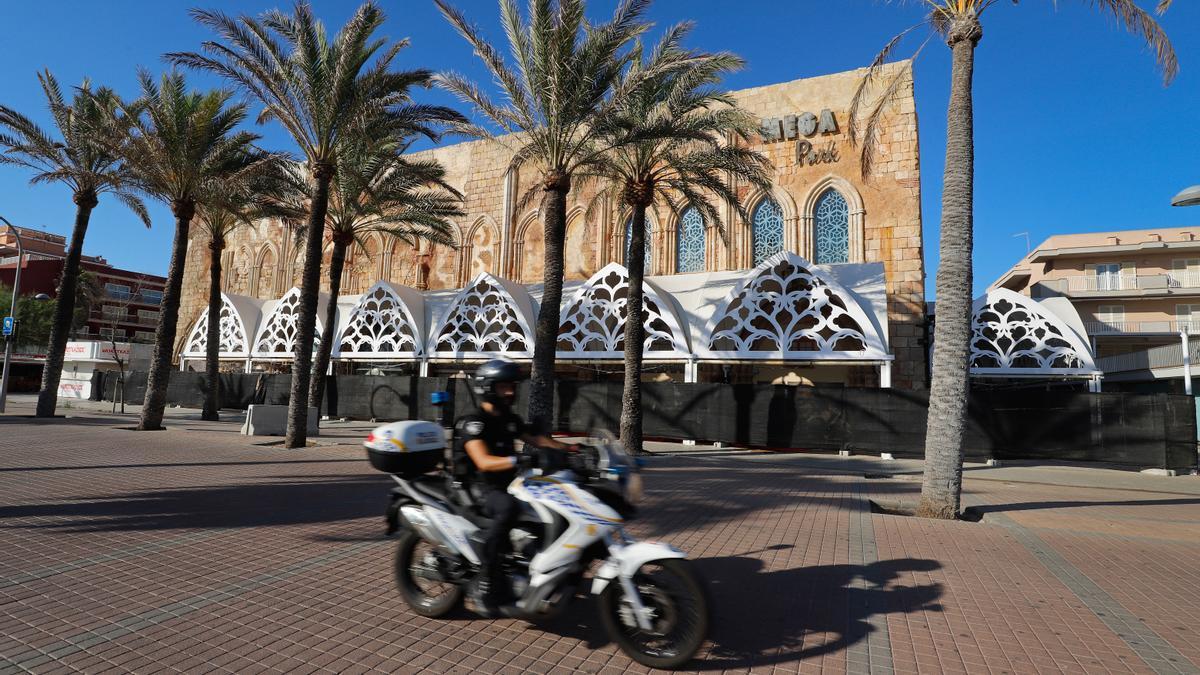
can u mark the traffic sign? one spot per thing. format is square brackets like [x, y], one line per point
[9, 325]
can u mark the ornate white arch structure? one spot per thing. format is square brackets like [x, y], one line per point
[276, 337]
[385, 324]
[1016, 336]
[592, 324]
[235, 341]
[787, 309]
[490, 317]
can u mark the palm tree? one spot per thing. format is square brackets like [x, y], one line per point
[180, 142]
[319, 90]
[671, 139]
[958, 23]
[88, 166]
[378, 190]
[227, 204]
[561, 87]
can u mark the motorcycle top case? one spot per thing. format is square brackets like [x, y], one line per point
[408, 448]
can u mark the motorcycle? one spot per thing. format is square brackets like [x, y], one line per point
[652, 602]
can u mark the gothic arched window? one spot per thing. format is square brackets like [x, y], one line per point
[689, 253]
[831, 218]
[766, 230]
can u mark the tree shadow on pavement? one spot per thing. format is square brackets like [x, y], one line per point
[983, 509]
[268, 502]
[761, 618]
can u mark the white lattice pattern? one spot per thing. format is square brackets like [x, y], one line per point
[233, 334]
[484, 319]
[787, 309]
[766, 230]
[278, 335]
[594, 322]
[379, 326]
[1013, 334]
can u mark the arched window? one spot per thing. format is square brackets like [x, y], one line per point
[766, 230]
[629, 237]
[831, 219]
[689, 253]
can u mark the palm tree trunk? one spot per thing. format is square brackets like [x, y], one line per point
[635, 332]
[168, 316]
[64, 307]
[336, 263]
[545, 339]
[212, 350]
[941, 490]
[297, 426]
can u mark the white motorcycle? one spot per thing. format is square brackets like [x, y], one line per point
[652, 603]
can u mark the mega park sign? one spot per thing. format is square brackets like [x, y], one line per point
[800, 128]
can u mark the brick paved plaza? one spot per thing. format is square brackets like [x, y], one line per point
[195, 549]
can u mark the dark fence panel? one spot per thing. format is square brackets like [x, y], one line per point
[1139, 430]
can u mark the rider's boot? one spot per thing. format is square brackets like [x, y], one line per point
[489, 597]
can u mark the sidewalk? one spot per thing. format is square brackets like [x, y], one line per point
[196, 549]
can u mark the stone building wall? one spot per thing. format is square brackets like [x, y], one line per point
[500, 237]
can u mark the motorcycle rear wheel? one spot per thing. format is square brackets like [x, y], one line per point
[427, 597]
[674, 591]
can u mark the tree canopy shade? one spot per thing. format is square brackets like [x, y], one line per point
[958, 22]
[677, 139]
[563, 81]
[180, 142]
[83, 159]
[324, 92]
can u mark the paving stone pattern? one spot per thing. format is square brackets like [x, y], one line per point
[191, 550]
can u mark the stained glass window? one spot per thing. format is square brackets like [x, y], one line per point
[766, 230]
[832, 222]
[689, 256]
[629, 236]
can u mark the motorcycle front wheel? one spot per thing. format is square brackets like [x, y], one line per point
[419, 578]
[675, 596]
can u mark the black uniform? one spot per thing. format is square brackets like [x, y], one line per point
[500, 433]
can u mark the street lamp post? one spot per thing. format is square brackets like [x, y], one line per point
[12, 311]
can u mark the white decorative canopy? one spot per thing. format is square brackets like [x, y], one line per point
[277, 337]
[384, 324]
[787, 309]
[1014, 336]
[490, 317]
[592, 324]
[234, 342]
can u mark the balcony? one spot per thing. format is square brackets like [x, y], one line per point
[1120, 286]
[1109, 328]
[1094, 283]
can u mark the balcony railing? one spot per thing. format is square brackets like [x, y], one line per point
[1142, 327]
[1110, 282]
[1183, 279]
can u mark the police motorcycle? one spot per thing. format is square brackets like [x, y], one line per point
[652, 602]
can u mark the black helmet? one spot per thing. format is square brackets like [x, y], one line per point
[492, 372]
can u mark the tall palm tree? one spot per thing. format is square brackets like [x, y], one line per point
[179, 142]
[227, 204]
[958, 22]
[379, 190]
[559, 90]
[319, 90]
[671, 139]
[80, 159]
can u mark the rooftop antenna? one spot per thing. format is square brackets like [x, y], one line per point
[1026, 235]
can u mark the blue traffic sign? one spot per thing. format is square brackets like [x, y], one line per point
[8, 326]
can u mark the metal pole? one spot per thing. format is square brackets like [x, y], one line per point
[12, 311]
[1187, 364]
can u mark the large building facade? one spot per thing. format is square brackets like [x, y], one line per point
[858, 235]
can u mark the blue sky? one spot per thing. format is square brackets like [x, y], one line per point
[1074, 129]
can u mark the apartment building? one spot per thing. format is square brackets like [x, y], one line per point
[1134, 289]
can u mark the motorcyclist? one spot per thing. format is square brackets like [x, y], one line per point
[487, 438]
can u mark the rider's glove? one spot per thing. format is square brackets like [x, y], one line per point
[524, 461]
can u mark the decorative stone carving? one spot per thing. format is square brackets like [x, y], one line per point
[485, 319]
[1013, 334]
[593, 323]
[787, 309]
[233, 334]
[382, 325]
